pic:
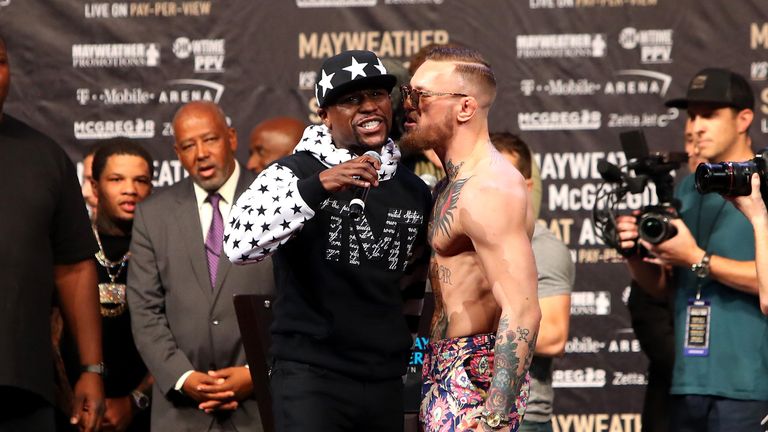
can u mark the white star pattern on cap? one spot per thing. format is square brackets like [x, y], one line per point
[356, 69]
[325, 81]
[380, 67]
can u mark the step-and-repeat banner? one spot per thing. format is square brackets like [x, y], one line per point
[572, 75]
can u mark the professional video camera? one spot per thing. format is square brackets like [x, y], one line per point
[733, 178]
[654, 220]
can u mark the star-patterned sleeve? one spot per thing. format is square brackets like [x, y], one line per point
[265, 216]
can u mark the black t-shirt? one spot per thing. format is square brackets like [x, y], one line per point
[43, 222]
[125, 368]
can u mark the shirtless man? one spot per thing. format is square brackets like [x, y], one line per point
[482, 269]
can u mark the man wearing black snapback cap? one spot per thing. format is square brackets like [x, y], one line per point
[348, 286]
[721, 352]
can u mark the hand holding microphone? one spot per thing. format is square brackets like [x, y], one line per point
[360, 173]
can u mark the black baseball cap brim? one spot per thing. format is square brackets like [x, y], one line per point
[385, 81]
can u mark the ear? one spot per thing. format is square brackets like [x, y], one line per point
[744, 119]
[323, 113]
[95, 188]
[529, 184]
[232, 135]
[468, 109]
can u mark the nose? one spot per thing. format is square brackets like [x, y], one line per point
[201, 152]
[130, 188]
[253, 164]
[368, 104]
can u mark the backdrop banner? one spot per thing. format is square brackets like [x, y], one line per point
[572, 75]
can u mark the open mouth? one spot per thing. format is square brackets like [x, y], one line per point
[371, 124]
[206, 171]
[128, 206]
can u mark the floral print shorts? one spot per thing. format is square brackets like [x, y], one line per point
[457, 374]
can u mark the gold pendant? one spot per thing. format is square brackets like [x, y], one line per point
[112, 299]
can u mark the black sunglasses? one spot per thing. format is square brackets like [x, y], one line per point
[414, 95]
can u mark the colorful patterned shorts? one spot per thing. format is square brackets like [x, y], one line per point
[457, 374]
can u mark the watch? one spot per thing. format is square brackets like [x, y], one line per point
[494, 420]
[140, 400]
[702, 267]
[97, 368]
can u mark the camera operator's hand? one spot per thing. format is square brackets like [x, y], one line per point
[626, 228]
[752, 205]
[680, 250]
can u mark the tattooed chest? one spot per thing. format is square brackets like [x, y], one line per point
[442, 224]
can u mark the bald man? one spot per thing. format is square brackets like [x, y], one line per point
[272, 139]
[482, 270]
[180, 286]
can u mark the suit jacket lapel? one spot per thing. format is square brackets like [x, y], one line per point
[245, 180]
[187, 215]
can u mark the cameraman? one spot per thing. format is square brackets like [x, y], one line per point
[754, 209]
[718, 382]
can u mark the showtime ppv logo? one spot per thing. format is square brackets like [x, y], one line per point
[208, 53]
[335, 3]
[590, 303]
[579, 378]
[115, 55]
[561, 45]
[559, 120]
[655, 45]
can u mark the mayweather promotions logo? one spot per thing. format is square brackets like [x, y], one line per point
[561, 45]
[115, 55]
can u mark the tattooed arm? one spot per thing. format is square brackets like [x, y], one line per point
[493, 215]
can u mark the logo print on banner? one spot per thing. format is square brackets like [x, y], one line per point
[362, 243]
[579, 378]
[638, 82]
[115, 55]
[191, 90]
[105, 129]
[591, 303]
[208, 54]
[655, 45]
[561, 45]
[758, 71]
[178, 91]
[559, 120]
[758, 36]
[4, 2]
[335, 3]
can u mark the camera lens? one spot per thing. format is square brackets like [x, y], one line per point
[655, 228]
[727, 178]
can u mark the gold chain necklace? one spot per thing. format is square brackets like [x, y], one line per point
[111, 294]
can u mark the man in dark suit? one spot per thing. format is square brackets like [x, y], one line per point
[180, 286]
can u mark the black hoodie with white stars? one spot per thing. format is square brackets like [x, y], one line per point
[348, 290]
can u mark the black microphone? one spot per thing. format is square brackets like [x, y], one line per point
[357, 205]
[609, 172]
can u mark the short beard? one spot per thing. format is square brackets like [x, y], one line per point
[431, 137]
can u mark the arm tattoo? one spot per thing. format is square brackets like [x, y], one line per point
[439, 326]
[508, 372]
[522, 334]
